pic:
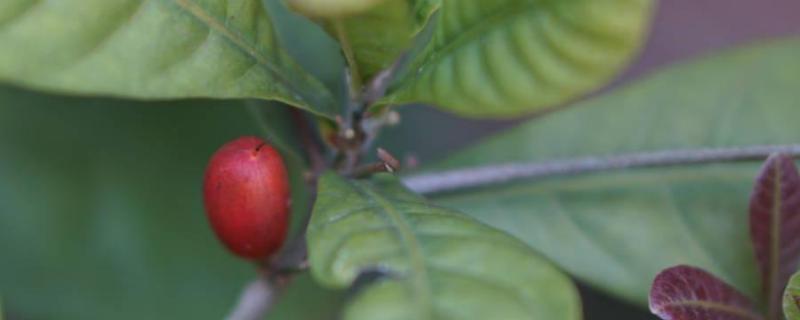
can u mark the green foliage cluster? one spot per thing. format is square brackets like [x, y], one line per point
[109, 110]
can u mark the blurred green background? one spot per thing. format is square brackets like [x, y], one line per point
[100, 204]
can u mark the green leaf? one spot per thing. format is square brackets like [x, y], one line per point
[379, 35]
[440, 263]
[332, 8]
[617, 230]
[507, 57]
[101, 210]
[791, 299]
[153, 50]
[317, 52]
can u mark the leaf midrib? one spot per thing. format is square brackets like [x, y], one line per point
[774, 244]
[212, 23]
[736, 311]
[499, 17]
[409, 240]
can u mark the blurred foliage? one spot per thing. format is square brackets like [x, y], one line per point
[101, 214]
[397, 23]
[617, 230]
[309, 45]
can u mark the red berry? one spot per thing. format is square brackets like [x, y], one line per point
[246, 195]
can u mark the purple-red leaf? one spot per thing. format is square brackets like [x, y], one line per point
[689, 293]
[775, 227]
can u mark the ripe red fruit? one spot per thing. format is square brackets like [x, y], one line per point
[246, 195]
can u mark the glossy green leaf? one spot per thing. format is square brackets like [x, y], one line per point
[152, 50]
[101, 210]
[440, 264]
[379, 35]
[791, 299]
[617, 230]
[507, 57]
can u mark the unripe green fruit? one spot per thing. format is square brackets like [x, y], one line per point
[246, 195]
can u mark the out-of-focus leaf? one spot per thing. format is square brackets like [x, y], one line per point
[311, 46]
[153, 49]
[507, 57]
[791, 299]
[439, 264]
[617, 230]
[101, 211]
[775, 227]
[378, 36]
[281, 134]
[332, 8]
[688, 293]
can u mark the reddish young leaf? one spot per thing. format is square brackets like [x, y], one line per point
[688, 293]
[775, 227]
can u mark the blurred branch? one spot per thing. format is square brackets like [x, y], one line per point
[260, 295]
[313, 148]
[376, 88]
[480, 176]
[354, 75]
[257, 298]
[387, 163]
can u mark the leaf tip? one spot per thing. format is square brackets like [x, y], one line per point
[691, 293]
[660, 290]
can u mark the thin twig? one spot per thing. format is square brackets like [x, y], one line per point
[356, 83]
[376, 88]
[495, 174]
[313, 148]
[258, 298]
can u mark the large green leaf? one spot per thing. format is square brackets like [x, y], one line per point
[791, 299]
[506, 57]
[617, 230]
[101, 210]
[441, 263]
[152, 49]
[379, 35]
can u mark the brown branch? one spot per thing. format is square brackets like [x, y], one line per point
[311, 145]
[259, 296]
